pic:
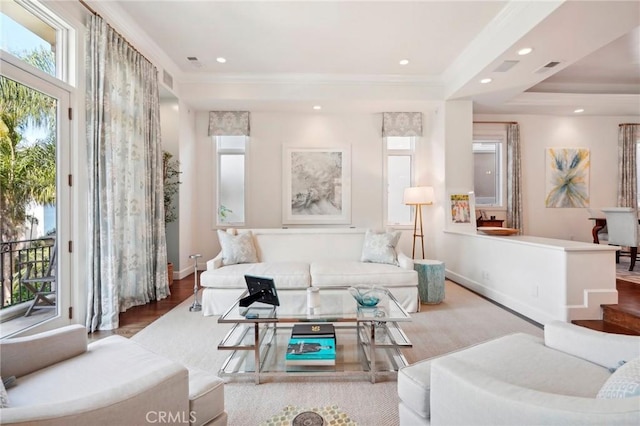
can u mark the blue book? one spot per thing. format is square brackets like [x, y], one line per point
[311, 351]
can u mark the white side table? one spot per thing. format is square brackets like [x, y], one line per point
[430, 280]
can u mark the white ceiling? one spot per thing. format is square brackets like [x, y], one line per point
[345, 53]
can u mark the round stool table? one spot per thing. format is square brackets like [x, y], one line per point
[430, 280]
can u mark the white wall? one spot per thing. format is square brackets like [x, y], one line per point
[537, 132]
[189, 192]
[269, 132]
[169, 126]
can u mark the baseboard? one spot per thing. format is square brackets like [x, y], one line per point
[527, 313]
[185, 272]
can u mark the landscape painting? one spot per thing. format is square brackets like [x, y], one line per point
[567, 178]
[316, 185]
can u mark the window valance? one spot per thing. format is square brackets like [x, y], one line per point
[229, 123]
[401, 124]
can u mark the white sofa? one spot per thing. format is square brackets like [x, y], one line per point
[299, 258]
[62, 380]
[524, 380]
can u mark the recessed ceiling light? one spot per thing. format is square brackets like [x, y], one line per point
[525, 51]
[578, 111]
[317, 107]
[486, 80]
[404, 62]
[221, 60]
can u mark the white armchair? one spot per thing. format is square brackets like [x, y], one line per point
[62, 380]
[524, 380]
[623, 230]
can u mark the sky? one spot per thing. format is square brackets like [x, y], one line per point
[16, 39]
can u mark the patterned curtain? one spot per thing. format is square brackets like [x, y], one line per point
[401, 124]
[514, 178]
[628, 135]
[127, 245]
[229, 123]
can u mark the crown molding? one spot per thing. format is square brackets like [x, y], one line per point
[195, 78]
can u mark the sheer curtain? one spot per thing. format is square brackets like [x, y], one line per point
[127, 244]
[628, 135]
[514, 178]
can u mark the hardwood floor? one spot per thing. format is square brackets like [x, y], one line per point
[625, 315]
[138, 317]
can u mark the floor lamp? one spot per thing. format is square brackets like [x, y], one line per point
[195, 306]
[418, 196]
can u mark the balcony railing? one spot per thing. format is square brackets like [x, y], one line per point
[14, 256]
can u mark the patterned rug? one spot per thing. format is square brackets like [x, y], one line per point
[316, 416]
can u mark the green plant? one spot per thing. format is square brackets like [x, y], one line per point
[171, 175]
[223, 212]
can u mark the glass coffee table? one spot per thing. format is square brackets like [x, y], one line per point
[368, 340]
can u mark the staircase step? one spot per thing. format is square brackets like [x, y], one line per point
[607, 327]
[621, 316]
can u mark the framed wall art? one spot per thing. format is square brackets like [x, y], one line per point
[567, 177]
[461, 211]
[316, 185]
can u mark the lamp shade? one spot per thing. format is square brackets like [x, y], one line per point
[419, 195]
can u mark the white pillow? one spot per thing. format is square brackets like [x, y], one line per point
[623, 383]
[237, 248]
[4, 397]
[380, 247]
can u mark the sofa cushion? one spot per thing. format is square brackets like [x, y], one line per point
[623, 383]
[237, 248]
[336, 273]
[380, 247]
[284, 274]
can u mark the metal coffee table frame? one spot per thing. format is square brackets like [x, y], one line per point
[376, 332]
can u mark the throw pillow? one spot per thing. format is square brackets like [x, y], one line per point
[623, 383]
[237, 248]
[4, 397]
[380, 247]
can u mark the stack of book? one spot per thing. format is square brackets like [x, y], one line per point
[312, 344]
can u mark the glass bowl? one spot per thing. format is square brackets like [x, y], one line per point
[367, 297]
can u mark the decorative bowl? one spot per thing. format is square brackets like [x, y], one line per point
[367, 297]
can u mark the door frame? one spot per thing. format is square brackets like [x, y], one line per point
[16, 70]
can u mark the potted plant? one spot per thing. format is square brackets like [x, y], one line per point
[171, 174]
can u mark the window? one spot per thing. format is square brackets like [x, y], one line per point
[489, 164]
[231, 153]
[34, 109]
[33, 34]
[399, 172]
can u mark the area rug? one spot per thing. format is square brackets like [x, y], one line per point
[623, 272]
[317, 416]
[461, 320]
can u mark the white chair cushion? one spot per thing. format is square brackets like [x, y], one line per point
[519, 359]
[206, 396]
[335, 273]
[121, 367]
